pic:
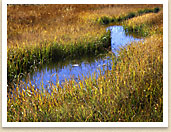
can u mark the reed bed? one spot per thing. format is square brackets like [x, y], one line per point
[132, 91]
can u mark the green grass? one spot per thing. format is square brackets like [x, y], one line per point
[107, 20]
[23, 60]
[144, 26]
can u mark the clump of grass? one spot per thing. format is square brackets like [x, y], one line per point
[156, 10]
[104, 20]
[131, 15]
[148, 10]
[142, 30]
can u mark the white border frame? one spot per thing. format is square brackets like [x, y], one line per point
[84, 124]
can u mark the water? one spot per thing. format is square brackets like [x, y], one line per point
[120, 38]
[78, 68]
[69, 69]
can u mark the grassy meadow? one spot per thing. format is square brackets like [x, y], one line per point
[132, 91]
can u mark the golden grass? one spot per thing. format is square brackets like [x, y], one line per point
[30, 25]
[146, 24]
[153, 19]
[131, 91]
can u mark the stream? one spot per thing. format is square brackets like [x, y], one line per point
[83, 67]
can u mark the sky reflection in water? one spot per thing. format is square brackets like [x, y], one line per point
[82, 68]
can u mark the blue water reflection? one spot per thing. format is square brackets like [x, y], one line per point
[77, 69]
[120, 38]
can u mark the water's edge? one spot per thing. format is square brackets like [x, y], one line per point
[86, 66]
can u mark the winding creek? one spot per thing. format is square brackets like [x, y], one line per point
[78, 68]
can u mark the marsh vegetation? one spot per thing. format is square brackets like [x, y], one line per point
[129, 89]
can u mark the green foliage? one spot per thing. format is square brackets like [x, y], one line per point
[131, 15]
[155, 10]
[107, 20]
[141, 30]
[140, 12]
[148, 10]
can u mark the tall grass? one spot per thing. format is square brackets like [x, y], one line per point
[145, 25]
[131, 91]
[23, 60]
